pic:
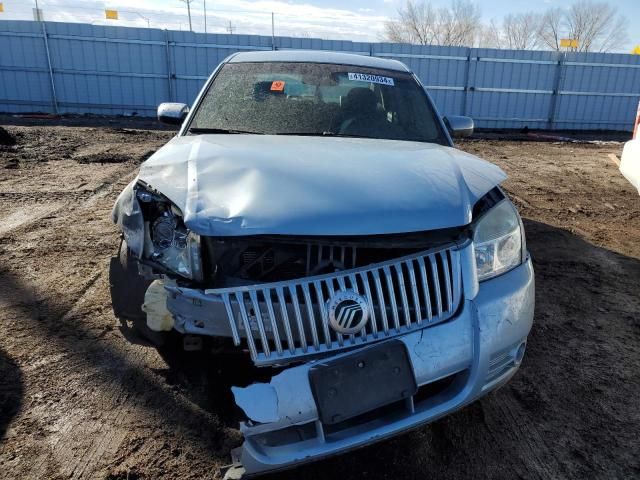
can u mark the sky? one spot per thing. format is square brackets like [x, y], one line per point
[357, 20]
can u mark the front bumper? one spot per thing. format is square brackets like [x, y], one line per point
[454, 363]
[478, 350]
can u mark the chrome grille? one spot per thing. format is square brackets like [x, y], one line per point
[286, 320]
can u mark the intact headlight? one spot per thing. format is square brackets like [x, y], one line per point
[499, 241]
[168, 242]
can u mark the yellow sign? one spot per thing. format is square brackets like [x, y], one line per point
[636, 51]
[111, 14]
[1, 8]
[569, 43]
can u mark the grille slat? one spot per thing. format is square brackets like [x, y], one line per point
[392, 297]
[234, 327]
[455, 281]
[253, 296]
[354, 286]
[311, 316]
[403, 292]
[436, 283]
[447, 279]
[323, 313]
[381, 302]
[331, 290]
[293, 291]
[353, 282]
[285, 319]
[402, 296]
[425, 288]
[414, 292]
[372, 313]
[273, 320]
[245, 321]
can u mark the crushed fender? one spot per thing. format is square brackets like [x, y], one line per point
[127, 214]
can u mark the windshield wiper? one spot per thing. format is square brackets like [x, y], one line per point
[337, 134]
[320, 134]
[198, 130]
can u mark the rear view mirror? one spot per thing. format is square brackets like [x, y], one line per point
[172, 113]
[459, 126]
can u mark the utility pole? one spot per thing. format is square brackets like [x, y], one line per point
[188, 2]
[230, 28]
[273, 33]
[38, 13]
[205, 16]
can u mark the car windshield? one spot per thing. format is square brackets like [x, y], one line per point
[317, 99]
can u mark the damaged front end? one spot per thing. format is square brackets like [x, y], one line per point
[157, 250]
[368, 336]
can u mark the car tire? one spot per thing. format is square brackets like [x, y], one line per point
[127, 290]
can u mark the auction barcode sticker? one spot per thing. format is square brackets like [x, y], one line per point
[365, 77]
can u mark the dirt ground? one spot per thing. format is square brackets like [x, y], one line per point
[78, 400]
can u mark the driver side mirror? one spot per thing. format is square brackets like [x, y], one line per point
[459, 126]
[172, 113]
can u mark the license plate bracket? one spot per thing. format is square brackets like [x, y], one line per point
[367, 379]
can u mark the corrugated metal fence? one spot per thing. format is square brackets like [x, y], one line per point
[72, 67]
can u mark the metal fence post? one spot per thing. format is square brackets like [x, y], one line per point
[465, 103]
[168, 59]
[556, 91]
[54, 98]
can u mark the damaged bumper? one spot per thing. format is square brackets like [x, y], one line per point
[453, 364]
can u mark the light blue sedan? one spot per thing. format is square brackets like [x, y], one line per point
[314, 215]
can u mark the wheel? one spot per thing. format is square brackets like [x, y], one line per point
[127, 290]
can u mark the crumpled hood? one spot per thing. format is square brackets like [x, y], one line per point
[261, 184]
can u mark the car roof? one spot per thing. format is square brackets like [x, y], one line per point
[318, 56]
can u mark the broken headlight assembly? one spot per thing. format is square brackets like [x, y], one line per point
[168, 243]
[499, 241]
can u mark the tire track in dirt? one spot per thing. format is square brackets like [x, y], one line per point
[506, 426]
[23, 217]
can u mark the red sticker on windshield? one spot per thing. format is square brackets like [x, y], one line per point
[277, 86]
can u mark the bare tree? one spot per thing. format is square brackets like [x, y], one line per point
[550, 29]
[596, 26]
[416, 23]
[458, 25]
[521, 31]
[421, 23]
[490, 36]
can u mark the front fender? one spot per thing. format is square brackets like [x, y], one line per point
[127, 214]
